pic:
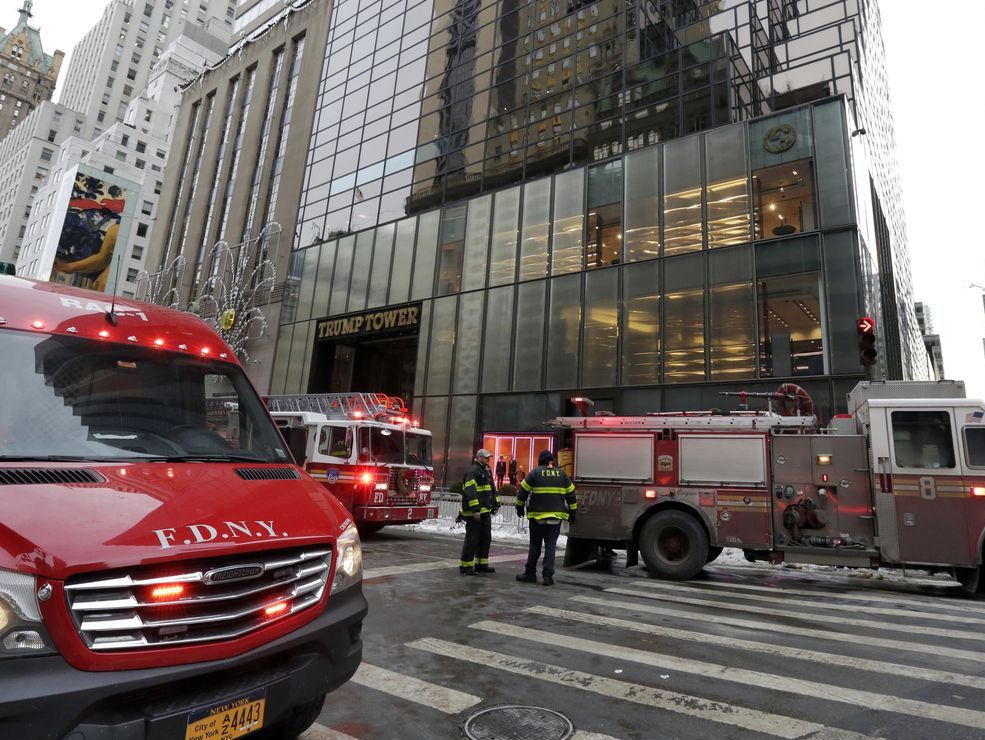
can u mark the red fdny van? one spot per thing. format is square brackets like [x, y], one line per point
[166, 569]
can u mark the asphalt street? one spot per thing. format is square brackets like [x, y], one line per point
[739, 653]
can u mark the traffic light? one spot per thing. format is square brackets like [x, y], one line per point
[866, 341]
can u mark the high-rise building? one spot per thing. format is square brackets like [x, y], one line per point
[238, 160]
[113, 65]
[507, 204]
[931, 340]
[29, 75]
[130, 155]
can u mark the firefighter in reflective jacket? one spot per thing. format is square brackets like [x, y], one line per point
[479, 503]
[552, 499]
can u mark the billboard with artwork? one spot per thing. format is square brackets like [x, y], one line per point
[89, 234]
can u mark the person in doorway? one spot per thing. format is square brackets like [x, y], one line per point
[550, 499]
[500, 471]
[513, 478]
[479, 505]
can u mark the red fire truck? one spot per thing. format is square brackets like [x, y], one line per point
[166, 570]
[367, 451]
[899, 481]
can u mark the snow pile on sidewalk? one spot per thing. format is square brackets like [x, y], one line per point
[500, 532]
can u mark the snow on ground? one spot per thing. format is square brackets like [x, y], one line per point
[731, 557]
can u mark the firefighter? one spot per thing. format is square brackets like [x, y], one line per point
[551, 500]
[479, 504]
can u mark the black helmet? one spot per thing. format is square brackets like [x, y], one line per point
[546, 457]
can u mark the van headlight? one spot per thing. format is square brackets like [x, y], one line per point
[348, 560]
[21, 631]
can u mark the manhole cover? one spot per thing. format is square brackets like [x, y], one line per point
[518, 723]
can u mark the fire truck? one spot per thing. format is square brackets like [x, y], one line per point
[898, 481]
[367, 451]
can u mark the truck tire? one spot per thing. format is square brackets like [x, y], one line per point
[578, 551]
[674, 546]
[713, 553]
[300, 719]
[972, 580]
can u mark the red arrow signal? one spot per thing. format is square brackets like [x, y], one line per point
[865, 325]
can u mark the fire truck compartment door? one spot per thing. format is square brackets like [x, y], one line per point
[723, 459]
[614, 457]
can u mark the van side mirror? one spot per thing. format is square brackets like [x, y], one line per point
[296, 439]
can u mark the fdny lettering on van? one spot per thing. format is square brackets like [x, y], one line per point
[119, 309]
[194, 534]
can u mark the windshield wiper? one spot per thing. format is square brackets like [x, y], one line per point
[212, 458]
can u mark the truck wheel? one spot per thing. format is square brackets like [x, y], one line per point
[972, 580]
[578, 551]
[713, 553]
[674, 546]
[365, 529]
[300, 719]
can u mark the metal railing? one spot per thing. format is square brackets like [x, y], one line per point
[449, 504]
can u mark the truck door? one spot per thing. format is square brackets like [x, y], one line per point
[972, 454]
[927, 485]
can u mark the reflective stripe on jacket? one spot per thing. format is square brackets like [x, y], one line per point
[478, 492]
[550, 492]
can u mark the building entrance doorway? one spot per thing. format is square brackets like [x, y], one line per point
[373, 352]
[523, 447]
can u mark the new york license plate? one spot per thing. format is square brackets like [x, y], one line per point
[230, 719]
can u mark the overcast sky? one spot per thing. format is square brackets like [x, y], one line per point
[938, 106]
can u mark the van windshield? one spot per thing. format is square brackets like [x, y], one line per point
[82, 399]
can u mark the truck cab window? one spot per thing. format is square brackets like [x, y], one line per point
[922, 439]
[974, 444]
[335, 442]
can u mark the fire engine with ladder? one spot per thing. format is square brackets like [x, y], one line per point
[899, 481]
[367, 451]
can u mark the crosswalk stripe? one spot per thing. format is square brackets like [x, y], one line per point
[827, 692]
[678, 598]
[581, 735]
[883, 597]
[718, 619]
[820, 602]
[815, 656]
[396, 570]
[750, 719]
[320, 732]
[413, 689]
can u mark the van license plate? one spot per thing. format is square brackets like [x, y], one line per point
[230, 719]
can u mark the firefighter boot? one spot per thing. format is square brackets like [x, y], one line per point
[526, 578]
[466, 570]
[548, 580]
[483, 568]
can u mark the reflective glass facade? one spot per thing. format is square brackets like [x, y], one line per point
[644, 202]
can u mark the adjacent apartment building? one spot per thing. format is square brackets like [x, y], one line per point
[241, 142]
[645, 203]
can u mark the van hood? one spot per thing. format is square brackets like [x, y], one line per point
[147, 513]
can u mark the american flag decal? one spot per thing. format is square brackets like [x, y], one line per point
[975, 417]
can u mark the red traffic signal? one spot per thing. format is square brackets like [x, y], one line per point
[866, 341]
[865, 325]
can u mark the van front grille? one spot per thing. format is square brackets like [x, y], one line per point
[41, 476]
[198, 601]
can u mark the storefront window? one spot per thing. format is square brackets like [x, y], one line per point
[427, 244]
[641, 324]
[382, 254]
[536, 228]
[563, 331]
[603, 244]
[727, 192]
[601, 329]
[790, 329]
[682, 195]
[783, 198]
[506, 216]
[569, 215]
[529, 353]
[451, 250]
[476, 243]
[496, 345]
[403, 260]
[733, 319]
[684, 309]
[643, 205]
